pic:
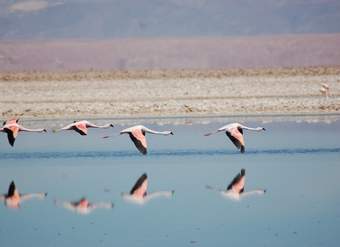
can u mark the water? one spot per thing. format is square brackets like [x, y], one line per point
[298, 164]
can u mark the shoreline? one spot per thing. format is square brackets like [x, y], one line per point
[116, 74]
[199, 94]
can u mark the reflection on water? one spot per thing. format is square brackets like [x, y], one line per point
[13, 198]
[297, 162]
[126, 154]
[140, 195]
[83, 206]
[235, 190]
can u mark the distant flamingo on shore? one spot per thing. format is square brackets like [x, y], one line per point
[235, 189]
[82, 126]
[325, 89]
[13, 198]
[138, 194]
[235, 133]
[137, 135]
[12, 128]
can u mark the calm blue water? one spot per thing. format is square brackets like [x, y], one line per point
[298, 164]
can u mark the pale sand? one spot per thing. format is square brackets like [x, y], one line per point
[168, 94]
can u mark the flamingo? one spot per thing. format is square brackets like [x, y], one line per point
[82, 126]
[137, 135]
[13, 198]
[325, 89]
[139, 195]
[83, 206]
[12, 128]
[235, 189]
[235, 133]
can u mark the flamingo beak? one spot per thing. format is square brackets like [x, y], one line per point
[111, 125]
[263, 128]
[171, 133]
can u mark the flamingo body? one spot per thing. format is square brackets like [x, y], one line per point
[81, 127]
[137, 135]
[235, 133]
[12, 129]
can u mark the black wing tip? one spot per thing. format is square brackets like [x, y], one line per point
[11, 189]
[139, 183]
[243, 172]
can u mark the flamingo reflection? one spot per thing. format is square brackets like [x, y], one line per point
[13, 198]
[83, 206]
[235, 189]
[139, 195]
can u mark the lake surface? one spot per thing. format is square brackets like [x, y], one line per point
[298, 163]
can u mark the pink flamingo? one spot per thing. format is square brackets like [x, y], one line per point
[83, 206]
[137, 135]
[235, 133]
[82, 126]
[13, 198]
[235, 189]
[138, 194]
[12, 128]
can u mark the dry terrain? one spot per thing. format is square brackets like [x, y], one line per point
[160, 93]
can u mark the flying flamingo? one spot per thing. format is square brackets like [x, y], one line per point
[235, 189]
[83, 206]
[235, 133]
[137, 135]
[12, 128]
[82, 126]
[139, 195]
[13, 198]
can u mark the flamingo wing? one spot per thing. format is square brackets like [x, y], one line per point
[138, 138]
[11, 189]
[140, 187]
[81, 128]
[12, 133]
[236, 136]
[238, 182]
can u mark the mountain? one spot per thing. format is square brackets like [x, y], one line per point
[107, 19]
[171, 53]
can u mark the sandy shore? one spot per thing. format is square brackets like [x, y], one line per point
[168, 93]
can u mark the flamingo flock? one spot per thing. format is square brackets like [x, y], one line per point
[137, 133]
[139, 193]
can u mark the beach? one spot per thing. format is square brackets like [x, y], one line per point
[161, 93]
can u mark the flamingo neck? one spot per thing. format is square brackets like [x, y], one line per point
[156, 132]
[253, 129]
